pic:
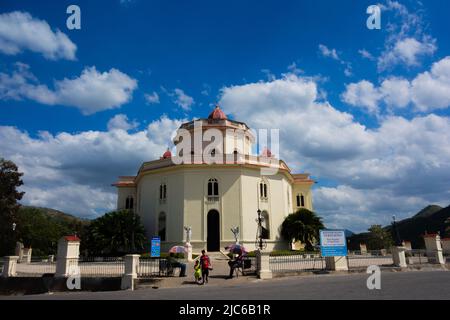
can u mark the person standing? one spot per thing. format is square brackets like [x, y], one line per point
[205, 262]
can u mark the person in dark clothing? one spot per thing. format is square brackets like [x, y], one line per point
[205, 262]
[236, 263]
[174, 263]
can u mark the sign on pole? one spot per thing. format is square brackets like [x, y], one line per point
[333, 243]
[155, 247]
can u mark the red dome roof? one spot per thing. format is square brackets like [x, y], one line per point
[167, 154]
[217, 114]
[266, 152]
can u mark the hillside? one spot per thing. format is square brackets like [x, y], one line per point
[58, 215]
[430, 219]
[41, 228]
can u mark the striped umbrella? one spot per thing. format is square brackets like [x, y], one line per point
[177, 249]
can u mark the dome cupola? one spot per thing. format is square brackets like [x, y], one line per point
[217, 114]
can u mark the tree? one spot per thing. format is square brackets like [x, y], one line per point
[10, 180]
[41, 231]
[379, 238]
[115, 233]
[304, 226]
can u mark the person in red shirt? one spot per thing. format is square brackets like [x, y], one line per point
[205, 263]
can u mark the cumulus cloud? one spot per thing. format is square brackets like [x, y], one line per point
[332, 53]
[362, 94]
[20, 31]
[152, 98]
[329, 53]
[91, 92]
[74, 172]
[405, 162]
[431, 90]
[428, 91]
[407, 41]
[182, 99]
[408, 52]
[121, 122]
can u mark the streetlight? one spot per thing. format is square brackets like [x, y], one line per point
[260, 244]
[14, 225]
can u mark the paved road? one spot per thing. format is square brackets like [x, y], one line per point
[394, 285]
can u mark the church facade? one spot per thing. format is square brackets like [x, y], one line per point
[213, 195]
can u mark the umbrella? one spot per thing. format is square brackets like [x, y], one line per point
[177, 249]
[236, 249]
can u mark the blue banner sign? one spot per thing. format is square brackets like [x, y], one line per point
[333, 243]
[156, 247]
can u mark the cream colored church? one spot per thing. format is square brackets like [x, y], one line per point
[212, 198]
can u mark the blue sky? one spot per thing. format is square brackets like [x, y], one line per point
[364, 111]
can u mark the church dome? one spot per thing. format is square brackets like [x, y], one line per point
[266, 152]
[217, 114]
[167, 154]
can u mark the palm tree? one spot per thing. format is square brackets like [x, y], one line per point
[304, 226]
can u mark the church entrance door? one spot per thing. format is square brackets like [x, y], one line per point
[213, 232]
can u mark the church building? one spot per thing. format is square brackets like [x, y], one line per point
[185, 189]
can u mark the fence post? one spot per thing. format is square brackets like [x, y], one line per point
[263, 262]
[398, 255]
[9, 266]
[434, 248]
[336, 263]
[67, 256]
[131, 268]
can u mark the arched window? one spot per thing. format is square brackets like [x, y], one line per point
[300, 200]
[213, 190]
[129, 203]
[265, 228]
[162, 191]
[162, 226]
[213, 187]
[263, 190]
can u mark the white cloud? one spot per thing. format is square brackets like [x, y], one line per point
[362, 94]
[332, 53]
[396, 92]
[121, 122]
[182, 99]
[408, 52]
[19, 31]
[428, 91]
[400, 167]
[431, 90]
[74, 172]
[366, 54]
[91, 92]
[152, 98]
[407, 41]
[329, 53]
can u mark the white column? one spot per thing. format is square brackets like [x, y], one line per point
[336, 263]
[131, 271]
[67, 256]
[264, 271]
[434, 248]
[9, 267]
[398, 255]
